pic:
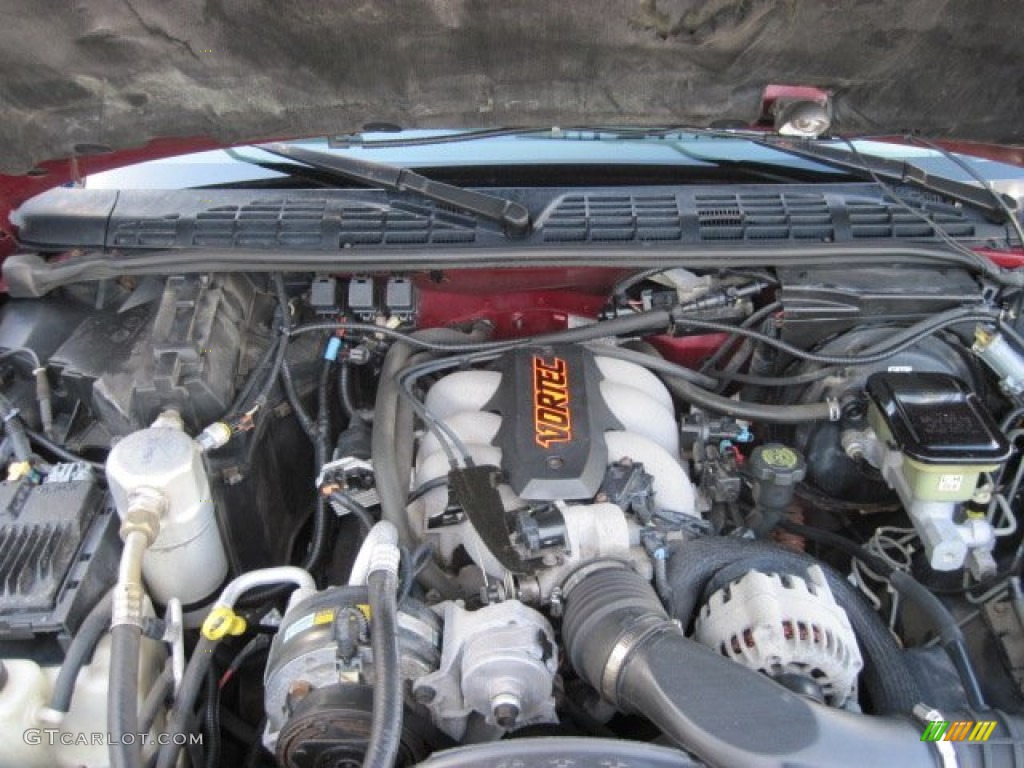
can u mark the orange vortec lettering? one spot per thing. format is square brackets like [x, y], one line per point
[551, 421]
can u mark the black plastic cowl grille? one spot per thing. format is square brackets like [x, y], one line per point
[888, 219]
[614, 218]
[764, 216]
[644, 217]
[301, 223]
[744, 216]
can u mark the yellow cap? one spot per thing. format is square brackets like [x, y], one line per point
[221, 622]
[17, 470]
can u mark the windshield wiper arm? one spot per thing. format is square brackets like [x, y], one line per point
[513, 217]
[891, 169]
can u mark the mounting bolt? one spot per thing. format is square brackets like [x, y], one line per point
[297, 691]
[505, 715]
[505, 708]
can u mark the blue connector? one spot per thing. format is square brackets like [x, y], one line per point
[333, 348]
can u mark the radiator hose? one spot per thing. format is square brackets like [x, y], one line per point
[621, 640]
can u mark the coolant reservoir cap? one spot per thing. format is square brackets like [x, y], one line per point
[777, 464]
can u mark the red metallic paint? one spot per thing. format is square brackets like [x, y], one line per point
[523, 302]
[518, 301]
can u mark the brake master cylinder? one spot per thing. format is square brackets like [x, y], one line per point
[936, 439]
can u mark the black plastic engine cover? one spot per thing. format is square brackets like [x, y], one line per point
[553, 423]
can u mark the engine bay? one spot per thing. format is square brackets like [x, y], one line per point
[336, 514]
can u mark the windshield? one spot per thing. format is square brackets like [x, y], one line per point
[685, 153]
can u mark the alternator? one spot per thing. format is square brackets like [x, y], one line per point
[785, 626]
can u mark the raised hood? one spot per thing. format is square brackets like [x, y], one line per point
[79, 77]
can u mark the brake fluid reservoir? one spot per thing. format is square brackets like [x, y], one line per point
[946, 436]
[187, 559]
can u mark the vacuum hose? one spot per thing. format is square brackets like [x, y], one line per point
[621, 640]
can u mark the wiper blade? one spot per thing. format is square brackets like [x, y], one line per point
[513, 217]
[891, 169]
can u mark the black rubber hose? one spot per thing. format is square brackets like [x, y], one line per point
[680, 383]
[122, 696]
[83, 644]
[298, 409]
[61, 452]
[950, 635]
[345, 399]
[181, 713]
[405, 425]
[620, 640]
[281, 367]
[748, 322]
[266, 360]
[318, 538]
[697, 567]
[899, 341]
[31, 275]
[211, 720]
[344, 504]
[14, 428]
[323, 415]
[386, 731]
[156, 698]
[284, 321]
[322, 514]
[280, 352]
[943, 623]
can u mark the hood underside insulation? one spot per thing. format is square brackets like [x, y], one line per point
[117, 73]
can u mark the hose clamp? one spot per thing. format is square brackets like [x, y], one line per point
[835, 411]
[129, 605]
[641, 629]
